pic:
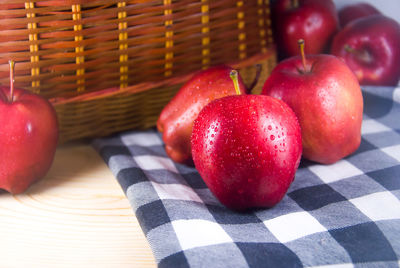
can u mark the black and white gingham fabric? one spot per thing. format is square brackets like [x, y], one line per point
[347, 213]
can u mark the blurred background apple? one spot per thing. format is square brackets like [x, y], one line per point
[352, 12]
[382, 67]
[371, 48]
[390, 8]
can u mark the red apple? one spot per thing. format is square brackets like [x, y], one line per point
[371, 48]
[247, 149]
[315, 21]
[352, 12]
[326, 97]
[28, 137]
[176, 119]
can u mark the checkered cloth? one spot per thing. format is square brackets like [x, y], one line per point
[347, 213]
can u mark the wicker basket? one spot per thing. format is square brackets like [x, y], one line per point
[109, 65]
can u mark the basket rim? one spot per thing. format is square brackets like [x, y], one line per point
[144, 86]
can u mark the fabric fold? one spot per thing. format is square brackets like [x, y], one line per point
[345, 213]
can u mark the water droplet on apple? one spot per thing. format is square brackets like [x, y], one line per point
[272, 137]
[269, 127]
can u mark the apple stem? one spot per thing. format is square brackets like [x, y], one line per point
[350, 49]
[295, 3]
[12, 64]
[300, 42]
[256, 78]
[235, 79]
[362, 55]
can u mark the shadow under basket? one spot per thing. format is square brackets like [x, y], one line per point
[109, 66]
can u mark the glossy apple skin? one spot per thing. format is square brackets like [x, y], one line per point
[247, 149]
[28, 139]
[315, 21]
[327, 101]
[377, 39]
[352, 12]
[177, 117]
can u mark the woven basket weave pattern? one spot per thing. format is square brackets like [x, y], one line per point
[110, 65]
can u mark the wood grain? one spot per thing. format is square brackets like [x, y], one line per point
[77, 216]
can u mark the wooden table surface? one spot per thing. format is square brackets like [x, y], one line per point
[77, 216]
